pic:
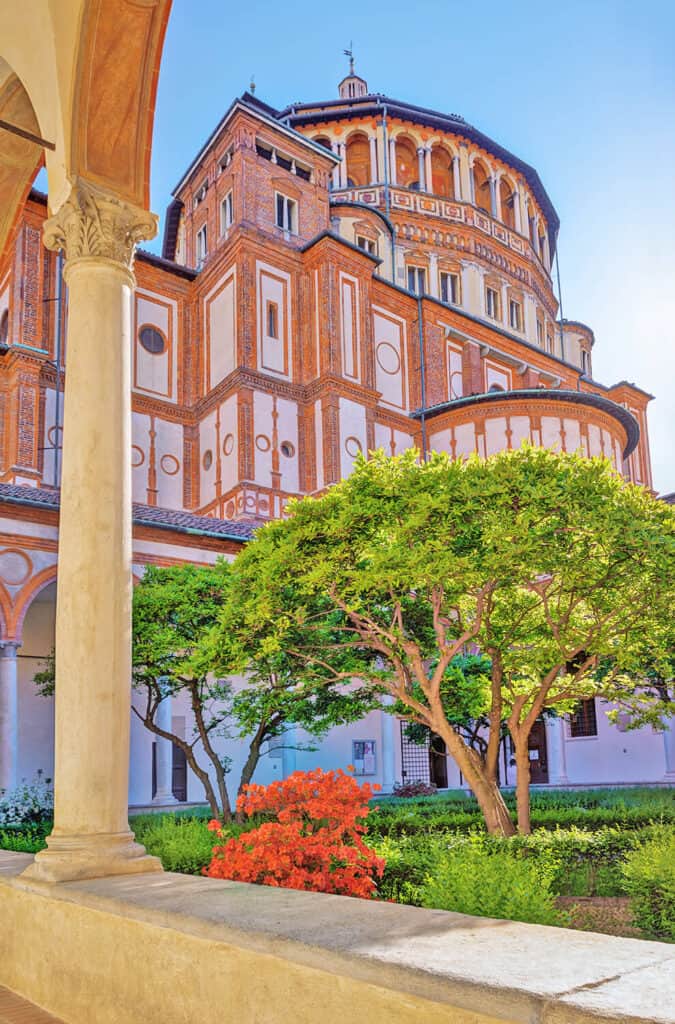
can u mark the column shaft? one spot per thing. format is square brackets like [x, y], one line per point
[420, 170]
[372, 142]
[392, 161]
[388, 749]
[164, 757]
[9, 737]
[456, 180]
[428, 176]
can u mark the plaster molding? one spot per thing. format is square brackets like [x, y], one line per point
[95, 223]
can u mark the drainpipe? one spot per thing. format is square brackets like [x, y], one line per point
[560, 305]
[57, 398]
[423, 381]
[387, 199]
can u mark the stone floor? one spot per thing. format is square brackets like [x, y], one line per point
[15, 1010]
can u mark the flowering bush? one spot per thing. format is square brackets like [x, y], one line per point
[418, 788]
[28, 804]
[315, 841]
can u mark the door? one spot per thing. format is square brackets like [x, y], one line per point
[438, 762]
[538, 753]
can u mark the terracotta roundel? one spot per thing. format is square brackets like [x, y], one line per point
[137, 456]
[353, 446]
[263, 443]
[228, 444]
[170, 464]
[388, 358]
[15, 567]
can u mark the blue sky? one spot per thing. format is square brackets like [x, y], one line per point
[583, 90]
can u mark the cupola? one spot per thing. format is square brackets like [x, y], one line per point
[352, 86]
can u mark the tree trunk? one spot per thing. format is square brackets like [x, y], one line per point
[486, 789]
[523, 784]
[250, 765]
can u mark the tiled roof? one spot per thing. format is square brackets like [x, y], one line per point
[143, 515]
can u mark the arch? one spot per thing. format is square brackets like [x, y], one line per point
[481, 185]
[5, 614]
[19, 157]
[442, 177]
[358, 159]
[26, 597]
[507, 200]
[407, 167]
[323, 140]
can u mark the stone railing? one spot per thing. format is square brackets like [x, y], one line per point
[175, 948]
[407, 200]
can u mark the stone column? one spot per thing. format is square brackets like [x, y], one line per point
[342, 151]
[669, 751]
[555, 745]
[434, 283]
[335, 146]
[372, 142]
[392, 161]
[9, 733]
[91, 836]
[164, 757]
[493, 198]
[420, 170]
[389, 723]
[456, 180]
[516, 212]
[496, 199]
[428, 176]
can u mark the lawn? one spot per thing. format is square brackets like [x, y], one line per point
[598, 859]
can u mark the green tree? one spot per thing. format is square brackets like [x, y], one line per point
[550, 564]
[173, 610]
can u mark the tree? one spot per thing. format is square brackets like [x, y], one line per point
[550, 564]
[173, 610]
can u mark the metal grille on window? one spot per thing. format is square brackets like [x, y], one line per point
[414, 758]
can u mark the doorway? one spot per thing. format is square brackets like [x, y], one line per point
[538, 753]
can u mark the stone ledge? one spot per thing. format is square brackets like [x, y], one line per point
[176, 948]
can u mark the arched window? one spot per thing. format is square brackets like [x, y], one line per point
[323, 141]
[358, 160]
[507, 200]
[442, 182]
[4, 328]
[407, 173]
[495, 387]
[481, 187]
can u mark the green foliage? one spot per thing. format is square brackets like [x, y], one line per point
[649, 879]
[473, 879]
[26, 840]
[31, 803]
[182, 844]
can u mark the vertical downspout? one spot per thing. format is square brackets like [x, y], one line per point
[58, 335]
[560, 305]
[387, 199]
[423, 381]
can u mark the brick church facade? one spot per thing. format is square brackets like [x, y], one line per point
[335, 277]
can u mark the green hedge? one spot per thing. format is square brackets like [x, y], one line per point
[649, 879]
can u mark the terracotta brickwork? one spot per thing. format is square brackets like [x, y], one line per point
[299, 340]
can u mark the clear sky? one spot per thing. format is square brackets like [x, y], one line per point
[584, 90]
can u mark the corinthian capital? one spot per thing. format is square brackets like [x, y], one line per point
[93, 222]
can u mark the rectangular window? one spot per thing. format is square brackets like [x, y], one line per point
[202, 250]
[515, 315]
[226, 213]
[584, 362]
[272, 320]
[286, 213]
[417, 280]
[583, 721]
[540, 333]
[492, 303]
[363, 757]
[366, 244]
[450, 288]
[549, 341]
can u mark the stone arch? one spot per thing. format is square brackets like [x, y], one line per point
[20, 157]
[357, 150]
[407, 166]
[26, 597]
[442, 177]
[507, 199]
[87, 72]
[481, 185]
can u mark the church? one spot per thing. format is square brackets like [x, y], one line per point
[337, 276]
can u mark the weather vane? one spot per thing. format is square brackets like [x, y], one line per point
[350, 53]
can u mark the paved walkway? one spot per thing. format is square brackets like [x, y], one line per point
[15, 1010]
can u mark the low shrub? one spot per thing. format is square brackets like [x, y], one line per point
[472, 879]
[649, 879]
[315, 841]
[31, 803]
[181, 843]
[419, 788]
[29, 840]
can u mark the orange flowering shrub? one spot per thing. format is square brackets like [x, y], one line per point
[315, 843]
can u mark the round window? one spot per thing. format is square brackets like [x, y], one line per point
[287, 449]
[152, 340]
[207, 461]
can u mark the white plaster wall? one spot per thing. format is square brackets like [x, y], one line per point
[140, 444]
[229, 446]
[614, 756]
[221, 325]
[156, 374]
[287, 425]
[262, 434]
[350, 326]
[274, 354]
[392, 441]
[169, 463]
[352, 434]
[390, 359]
[35, 713]
[208, 441]
[495, 435]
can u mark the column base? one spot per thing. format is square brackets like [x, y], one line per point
[164, 800]
[71, 858]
